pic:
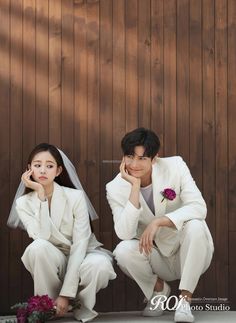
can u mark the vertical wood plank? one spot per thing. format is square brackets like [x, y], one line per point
[232, 267]
[4, 148]
[222, 237]
[232, 112]
[29, 53]
[196, 115]
[170, 76]
[29, 120]
[93, 177]
[16, 55]
[195, 88]
[131, 64]
[42, 71]
[67, 112]
[81, 88]
[208, 88]
[144, 52]
[183, 129]
[55, 32]
[157, 70]
[105, 113]
[232, 148]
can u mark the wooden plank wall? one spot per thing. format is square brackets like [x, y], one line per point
[79, 74]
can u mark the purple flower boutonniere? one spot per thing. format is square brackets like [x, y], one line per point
[168, 194]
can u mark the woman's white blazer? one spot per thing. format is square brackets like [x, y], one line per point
[66, 224]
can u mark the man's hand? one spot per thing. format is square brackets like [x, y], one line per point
[135, 182]
[146, 240]
[125, 175]
[62, 304]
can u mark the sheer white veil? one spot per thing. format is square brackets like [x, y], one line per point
[14, 220]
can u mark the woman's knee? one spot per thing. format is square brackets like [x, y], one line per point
[38, 248]
[96, 265]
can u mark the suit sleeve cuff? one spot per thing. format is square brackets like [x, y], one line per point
[174, 218]
[133, 211]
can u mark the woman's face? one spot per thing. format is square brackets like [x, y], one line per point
[44, 168]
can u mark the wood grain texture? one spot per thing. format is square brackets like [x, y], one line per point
[81, 73]
[170, 103]
[16, 55]
[54, 71]
[41, 74]
[5, 145]
[157, 70]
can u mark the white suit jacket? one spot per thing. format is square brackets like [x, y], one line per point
[130, 222]
[66, 225]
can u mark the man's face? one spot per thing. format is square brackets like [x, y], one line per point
[138, 165]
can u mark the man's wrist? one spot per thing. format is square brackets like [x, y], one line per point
[137, 184]
[164, 221]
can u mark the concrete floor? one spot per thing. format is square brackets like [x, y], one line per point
[128, 317]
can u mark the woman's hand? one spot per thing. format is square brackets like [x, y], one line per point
[146, 240]
[125, 175]
[62, 305]
[33, 185]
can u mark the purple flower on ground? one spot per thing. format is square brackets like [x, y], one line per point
[22, 315]
[40, 303]
[38, 309]
[168, 194]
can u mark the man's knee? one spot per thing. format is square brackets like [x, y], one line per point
[194, 230]
[125, 251]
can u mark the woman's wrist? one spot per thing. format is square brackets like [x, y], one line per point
[41, 195]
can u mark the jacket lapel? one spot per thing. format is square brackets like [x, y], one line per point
[58, 204]
[160, 179]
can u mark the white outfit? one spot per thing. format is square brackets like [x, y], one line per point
[183, 252]
[65, 258]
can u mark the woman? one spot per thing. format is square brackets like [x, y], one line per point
[65, 259]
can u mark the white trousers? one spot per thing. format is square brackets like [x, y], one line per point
[47, 265]
[190, 261]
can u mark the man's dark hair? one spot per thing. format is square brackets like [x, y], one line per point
[141, 137]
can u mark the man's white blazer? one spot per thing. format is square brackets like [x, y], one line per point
[130, 222]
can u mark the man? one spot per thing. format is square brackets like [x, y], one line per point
[159, 213]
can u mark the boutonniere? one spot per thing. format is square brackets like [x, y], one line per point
[168, 194]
